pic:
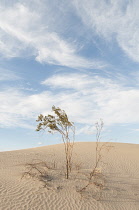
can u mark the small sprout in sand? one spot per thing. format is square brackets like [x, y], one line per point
[60, 123]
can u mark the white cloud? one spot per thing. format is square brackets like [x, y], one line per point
[10, 113]
[113, 19]
[23, 32]
[8, 75]
[80, 82]
[95, 97]
[68, 81]
[38, 29]
[87, 129]
[85, 104]
[137, 129]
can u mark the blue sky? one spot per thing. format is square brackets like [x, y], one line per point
[78, 55]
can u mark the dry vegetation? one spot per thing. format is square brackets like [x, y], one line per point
[61, 124]
[45, 172]
[39, 170]
[96, 176]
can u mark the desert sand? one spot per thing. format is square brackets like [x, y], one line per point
[119, 177]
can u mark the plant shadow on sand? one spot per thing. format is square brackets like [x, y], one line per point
[108, 188]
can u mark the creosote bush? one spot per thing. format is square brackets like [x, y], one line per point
[60, 123]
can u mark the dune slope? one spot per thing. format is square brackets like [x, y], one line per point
[120, 168]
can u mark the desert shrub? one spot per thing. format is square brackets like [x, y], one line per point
[60, 123]
[96, 172]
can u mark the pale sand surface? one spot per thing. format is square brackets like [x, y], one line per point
[121, 179]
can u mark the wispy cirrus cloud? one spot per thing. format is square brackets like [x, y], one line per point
[81, 82]
[8, 75]
[85, 102]
[23, 32]
[116, 20]
[98, 97]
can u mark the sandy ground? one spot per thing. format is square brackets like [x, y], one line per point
[119, 178]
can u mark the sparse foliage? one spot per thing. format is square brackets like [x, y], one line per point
[60, 123]
[96, 173]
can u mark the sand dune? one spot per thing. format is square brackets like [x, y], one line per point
[120, 168]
